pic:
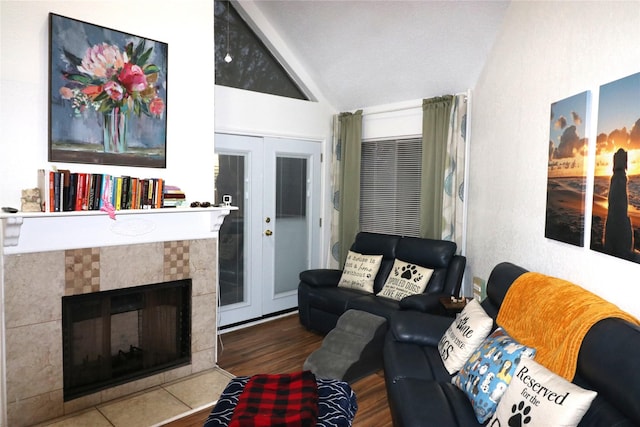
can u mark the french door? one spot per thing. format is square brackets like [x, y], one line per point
[274, 234]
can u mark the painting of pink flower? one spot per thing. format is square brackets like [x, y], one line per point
[114, 90]
[102, 61]
[132, 77]
[107, 88]
[156, 106]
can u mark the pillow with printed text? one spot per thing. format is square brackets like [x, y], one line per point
[537, 397]
[464, 336]
[360, 271]
[405, 279]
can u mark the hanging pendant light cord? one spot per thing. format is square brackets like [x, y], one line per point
[228, 57]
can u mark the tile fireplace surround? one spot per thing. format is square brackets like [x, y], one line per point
[48, 256]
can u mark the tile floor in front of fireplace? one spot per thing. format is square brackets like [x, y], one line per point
[154, 406]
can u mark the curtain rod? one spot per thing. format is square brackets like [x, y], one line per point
[393, 110]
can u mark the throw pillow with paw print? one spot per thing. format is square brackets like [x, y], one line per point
[537, 397]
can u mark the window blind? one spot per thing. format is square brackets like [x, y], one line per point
[390, 176]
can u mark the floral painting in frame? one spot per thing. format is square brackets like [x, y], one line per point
[566, 169]
[615, 225]
[107, 96]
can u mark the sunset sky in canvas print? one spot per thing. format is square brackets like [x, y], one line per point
[619, 124]
[566, 170]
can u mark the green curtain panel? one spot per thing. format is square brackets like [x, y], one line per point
[435, 128]
[349, 143]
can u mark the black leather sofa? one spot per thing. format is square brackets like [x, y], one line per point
[419, 388]
[321, 302]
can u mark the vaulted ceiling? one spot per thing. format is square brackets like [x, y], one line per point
[367, 53]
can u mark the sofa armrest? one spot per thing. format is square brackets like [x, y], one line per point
[455, 273]
[418, 328]
[321, 277]
[426, 303]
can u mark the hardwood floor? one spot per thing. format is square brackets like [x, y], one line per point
[282, 346]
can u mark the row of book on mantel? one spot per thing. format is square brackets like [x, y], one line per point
[63, 190]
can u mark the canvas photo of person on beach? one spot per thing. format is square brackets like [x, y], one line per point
[615, 227]
[566, 171]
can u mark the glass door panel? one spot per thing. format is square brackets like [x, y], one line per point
[230, 181]
[292, 240]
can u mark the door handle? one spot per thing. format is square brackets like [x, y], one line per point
[268, 233]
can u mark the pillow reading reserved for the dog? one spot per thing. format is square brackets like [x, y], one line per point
[360, 271]
[537, 397]
[405, 279]
[464, 336]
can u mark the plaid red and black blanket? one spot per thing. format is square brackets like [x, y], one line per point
[278, 401]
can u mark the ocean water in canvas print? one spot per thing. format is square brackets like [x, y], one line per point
[566, 170]
[108, 95]
[615, 228]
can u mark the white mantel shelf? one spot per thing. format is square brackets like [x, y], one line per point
[26, 232]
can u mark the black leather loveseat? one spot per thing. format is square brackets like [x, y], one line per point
[321, 302]
[420, 392]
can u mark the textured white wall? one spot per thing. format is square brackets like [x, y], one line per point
[546, 52]
[187, 27]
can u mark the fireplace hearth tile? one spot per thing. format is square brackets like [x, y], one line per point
[177, 373]
[201, 389]
[143, 409]
[131, 387]
[92, 418]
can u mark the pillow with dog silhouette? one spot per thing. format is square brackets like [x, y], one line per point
[537, 397]
[464, 336]
[486, 375]
[360, 271]
[405, 279]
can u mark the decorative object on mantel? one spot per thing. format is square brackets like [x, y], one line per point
[31, 200]
[107, 95]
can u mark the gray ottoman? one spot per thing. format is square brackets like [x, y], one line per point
[352, 350]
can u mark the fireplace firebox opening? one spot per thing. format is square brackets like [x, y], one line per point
[113, 337]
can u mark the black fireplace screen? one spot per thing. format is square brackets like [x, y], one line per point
[113, 337]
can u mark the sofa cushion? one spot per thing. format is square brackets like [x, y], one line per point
[405, 279]
[414, 401]
[464, 336]
[605, 365]
[537, 397]
[487, 373]
[378, 244]
[429, 253]
[383, 307]
[404, 360]
[360, 271]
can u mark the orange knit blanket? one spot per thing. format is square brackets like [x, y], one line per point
[553, 316]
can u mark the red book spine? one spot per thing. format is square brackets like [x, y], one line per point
[52, 191]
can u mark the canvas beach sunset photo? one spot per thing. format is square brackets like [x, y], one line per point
[615, 226]
[566, 170]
